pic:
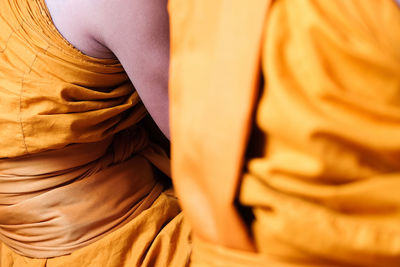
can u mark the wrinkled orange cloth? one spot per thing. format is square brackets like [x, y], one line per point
[157, 237]
[54, 202]
[79, 174]
[52, 94]
[323, 172]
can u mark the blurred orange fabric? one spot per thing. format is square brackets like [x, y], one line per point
[323, 171]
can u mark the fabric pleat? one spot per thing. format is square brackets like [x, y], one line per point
[322, 172]
[81, 178]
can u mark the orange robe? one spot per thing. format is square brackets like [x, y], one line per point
[322, 172]
[80, 175]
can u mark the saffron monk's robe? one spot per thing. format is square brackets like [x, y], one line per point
[323, 169]
[80, 178]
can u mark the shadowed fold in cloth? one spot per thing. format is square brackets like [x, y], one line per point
[55, 202]
[322, 169]
[76, 187]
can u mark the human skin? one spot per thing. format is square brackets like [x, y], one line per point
[134, 31]
[92, 40]
[137, 33]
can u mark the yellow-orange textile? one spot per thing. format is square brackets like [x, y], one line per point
[156, 237]
[79, 173]
[323, 173]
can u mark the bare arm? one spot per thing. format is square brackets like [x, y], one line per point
[135, 31]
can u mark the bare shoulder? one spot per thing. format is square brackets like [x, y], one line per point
[76, 21]
[134, 31]
[92, 26]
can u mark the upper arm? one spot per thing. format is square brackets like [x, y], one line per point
[135, 31]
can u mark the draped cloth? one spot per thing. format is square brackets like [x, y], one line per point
[80, 174]
[322, 172]
[156, 237]
[59, 201]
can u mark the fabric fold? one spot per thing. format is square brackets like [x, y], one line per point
[55, 202]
